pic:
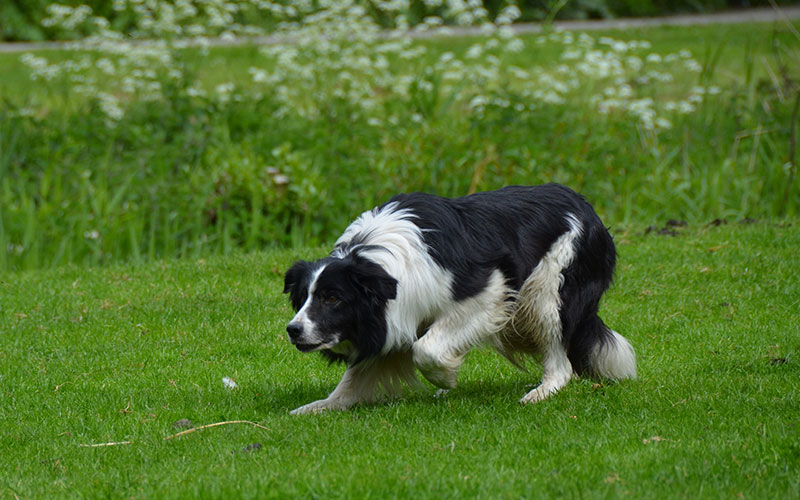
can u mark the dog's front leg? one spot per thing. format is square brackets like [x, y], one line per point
[437, 360]
[349, 392]
[438, 354]
[343, 397]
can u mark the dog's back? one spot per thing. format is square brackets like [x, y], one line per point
[555, 255]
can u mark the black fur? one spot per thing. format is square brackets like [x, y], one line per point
[361, 289]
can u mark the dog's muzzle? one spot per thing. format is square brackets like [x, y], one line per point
[295, 330]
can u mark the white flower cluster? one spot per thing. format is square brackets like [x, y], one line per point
[73, 18]
[118, 69]
[121, 73]
[336, 53]
[340, 53]
[328, 62]
[617, 76]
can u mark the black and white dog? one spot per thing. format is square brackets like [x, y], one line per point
[421, 280]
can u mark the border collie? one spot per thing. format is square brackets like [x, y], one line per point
[421, 280]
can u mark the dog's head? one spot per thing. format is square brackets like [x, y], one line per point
[339, 300]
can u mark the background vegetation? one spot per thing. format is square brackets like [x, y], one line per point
[21, 19]
[137, 151]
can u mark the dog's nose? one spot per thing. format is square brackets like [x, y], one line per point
[294, 329]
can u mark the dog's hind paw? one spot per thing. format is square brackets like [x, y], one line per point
[538, 394]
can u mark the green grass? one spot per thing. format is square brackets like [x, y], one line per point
[121, 352]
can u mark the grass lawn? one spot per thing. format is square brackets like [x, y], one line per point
[120, 353]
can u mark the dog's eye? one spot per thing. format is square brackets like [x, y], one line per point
[331, 299]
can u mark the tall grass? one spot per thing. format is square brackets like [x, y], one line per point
[276, 158]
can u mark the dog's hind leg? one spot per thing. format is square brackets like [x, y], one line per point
[539, 313]
[539, 316]
[438, 354]
[557, 372]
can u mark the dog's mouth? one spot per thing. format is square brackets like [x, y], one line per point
[307, 347]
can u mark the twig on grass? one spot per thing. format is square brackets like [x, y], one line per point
[182, 433]
[98, 445]
[188, 431]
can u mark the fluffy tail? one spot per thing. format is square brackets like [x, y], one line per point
[612, 357]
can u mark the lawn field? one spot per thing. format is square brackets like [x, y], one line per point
[121, 353]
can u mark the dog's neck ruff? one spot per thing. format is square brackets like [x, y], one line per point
[389, 237]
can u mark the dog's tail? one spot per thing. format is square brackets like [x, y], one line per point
[612, 356]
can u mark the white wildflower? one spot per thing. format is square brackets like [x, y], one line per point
[508, 15]
[446, 57]
[692, 65]
[105, 65]
[474, 51]
[620, 46]
[478, 101]
[110, 106]
[634, 63]
[685, 107]
[224, 91]
[505, 32]
[663, 123]
[653, 58]
[586, 41]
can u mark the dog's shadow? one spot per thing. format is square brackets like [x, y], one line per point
[284, 398]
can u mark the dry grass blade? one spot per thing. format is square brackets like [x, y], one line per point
[216, 424]
[99, 445]
[182, 433]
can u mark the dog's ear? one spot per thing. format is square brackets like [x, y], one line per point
[378, 285]
[295, 283]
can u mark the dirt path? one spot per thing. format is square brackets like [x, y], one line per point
[756, 15]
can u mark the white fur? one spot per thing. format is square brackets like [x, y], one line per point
[459, 328]
[538, 312]
[615, 360]
[361, 383]
[423, 289]
[310, 334]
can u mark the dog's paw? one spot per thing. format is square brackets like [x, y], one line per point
[543, 391]
[439, 371]
[540, 393]
[315, 407]
[441, 376]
